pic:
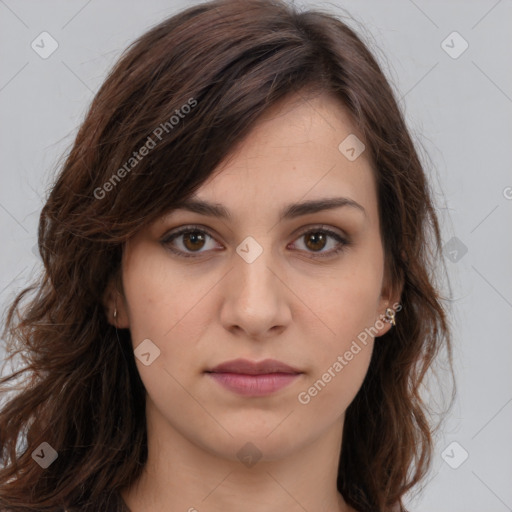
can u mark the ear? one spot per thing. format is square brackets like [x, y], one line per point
[113, 300]
[390, 298]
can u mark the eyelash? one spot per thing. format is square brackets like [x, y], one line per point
[196, 229]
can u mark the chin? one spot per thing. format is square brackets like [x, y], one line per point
[263, 444]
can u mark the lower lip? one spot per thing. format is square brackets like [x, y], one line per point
[254, 385]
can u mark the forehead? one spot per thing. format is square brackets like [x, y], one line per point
[293, 154]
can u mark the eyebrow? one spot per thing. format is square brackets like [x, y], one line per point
[290, 211]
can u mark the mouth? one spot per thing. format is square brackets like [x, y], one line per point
[250, 378]
[247, 367]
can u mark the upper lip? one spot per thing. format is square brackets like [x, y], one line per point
[248, 367]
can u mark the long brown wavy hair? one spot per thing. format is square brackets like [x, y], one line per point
[189, 90]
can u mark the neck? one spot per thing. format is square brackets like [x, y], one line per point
[182, 475]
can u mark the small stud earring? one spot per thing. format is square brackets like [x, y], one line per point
[115, 314]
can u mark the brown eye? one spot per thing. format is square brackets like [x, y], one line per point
[187, 240]
[193, 240]
[317, 239]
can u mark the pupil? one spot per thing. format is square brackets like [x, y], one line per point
[194, 237]
[316, 237]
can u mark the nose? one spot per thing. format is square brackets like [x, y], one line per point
[256, 298]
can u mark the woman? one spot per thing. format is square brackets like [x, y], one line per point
[237, 307]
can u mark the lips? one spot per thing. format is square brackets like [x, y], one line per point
[254, 378]
[246, 367]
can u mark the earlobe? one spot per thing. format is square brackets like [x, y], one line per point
[390, 303]
[388, 317]
[387, 320]
[114, 306]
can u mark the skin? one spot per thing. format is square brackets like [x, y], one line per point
[286, 304]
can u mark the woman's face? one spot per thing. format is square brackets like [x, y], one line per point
[264, 283]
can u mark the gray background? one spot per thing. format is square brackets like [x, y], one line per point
[459, 111]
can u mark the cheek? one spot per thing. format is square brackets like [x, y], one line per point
[168, 308]
[164, 308]
[347, 314]
[344, 352]
[333, 388]
[350, 302]
[158, 298]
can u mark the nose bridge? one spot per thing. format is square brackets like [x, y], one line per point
[253, 268]
[255, 301]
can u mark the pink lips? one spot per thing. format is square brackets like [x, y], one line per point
[250, 378]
